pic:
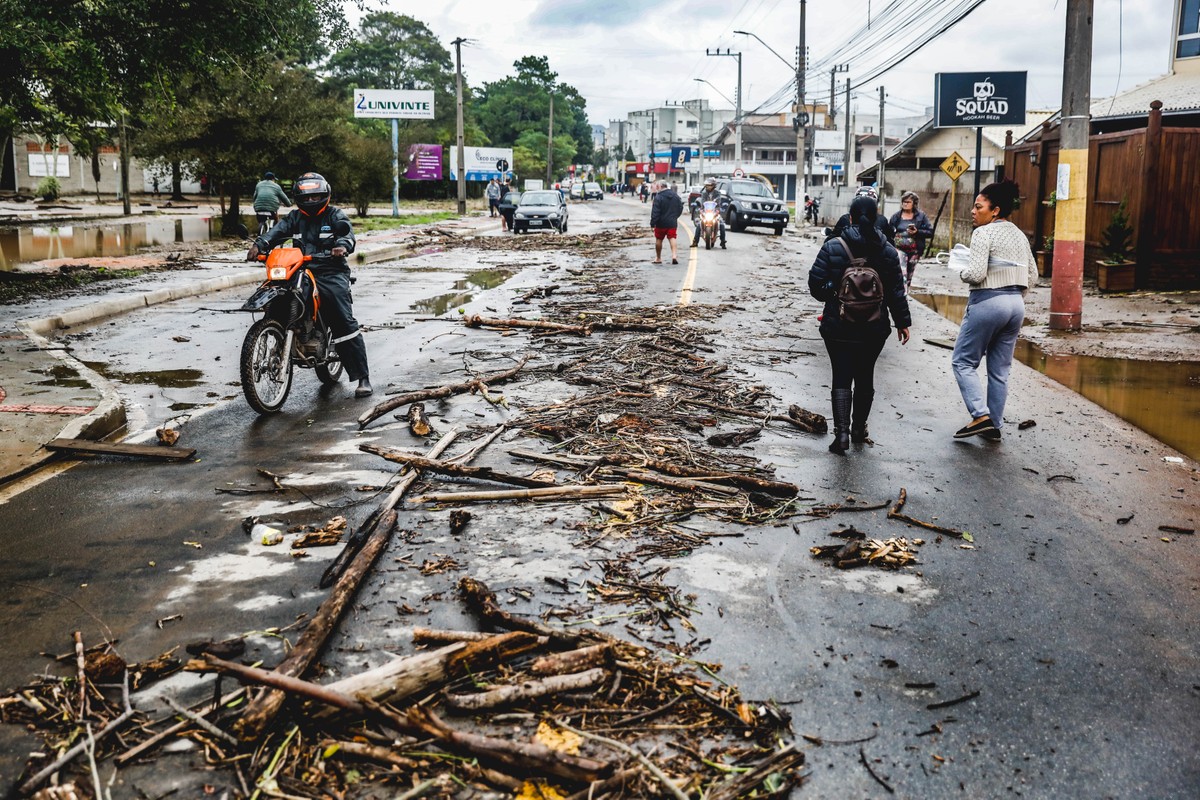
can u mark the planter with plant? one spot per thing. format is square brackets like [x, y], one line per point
[48, 189]
[1117, 270]
[1045, 256]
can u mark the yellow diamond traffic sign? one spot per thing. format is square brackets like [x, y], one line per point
[955, 166]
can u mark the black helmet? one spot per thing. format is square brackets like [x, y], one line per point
[311, 194]
[269, 175]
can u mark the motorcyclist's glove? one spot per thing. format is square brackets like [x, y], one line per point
[252, 253]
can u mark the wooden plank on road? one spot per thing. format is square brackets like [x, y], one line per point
[85, 447]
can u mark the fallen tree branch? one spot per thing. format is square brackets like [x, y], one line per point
[555, 493]
[448, 390]
[527, 690]
[356, 540]
[482, 601]
[475, 321]
[520, 756]
[738, 412]
[447, 468]
[894, 513]
[262, 709]
[653, 768]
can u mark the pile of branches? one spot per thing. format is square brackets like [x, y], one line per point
[533, 710]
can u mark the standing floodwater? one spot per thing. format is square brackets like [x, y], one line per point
[43, 242]
[1160, 397]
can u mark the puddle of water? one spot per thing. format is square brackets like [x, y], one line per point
[23, 245]
[1160, 397]
[61, 375]
[464, 291]
[165, 378]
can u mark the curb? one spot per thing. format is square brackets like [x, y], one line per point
[122, 305]
[108, 416]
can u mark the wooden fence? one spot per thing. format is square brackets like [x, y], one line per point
[1155, 170]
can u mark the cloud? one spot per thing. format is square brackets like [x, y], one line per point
[574, 14]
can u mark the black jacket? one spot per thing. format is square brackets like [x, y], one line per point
[881, 223]
[920, 220]
[666, 209]
[315, 235]
[826, 275]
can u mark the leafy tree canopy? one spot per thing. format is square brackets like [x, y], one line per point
[511, 106]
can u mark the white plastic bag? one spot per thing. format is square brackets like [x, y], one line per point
[957, 259]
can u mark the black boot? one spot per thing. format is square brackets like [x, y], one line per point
[364, 387]
[842, 399]
[862, 410]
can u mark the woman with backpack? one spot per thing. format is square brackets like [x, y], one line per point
[856, 275]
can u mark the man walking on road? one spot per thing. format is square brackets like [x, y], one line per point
[664, 218]
[493, 196]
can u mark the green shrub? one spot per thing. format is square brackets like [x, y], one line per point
[1117, 238]
[48, 188]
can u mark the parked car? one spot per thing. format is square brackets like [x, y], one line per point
[751, 203]
[592, 191]
[576, 191]
[540, 210]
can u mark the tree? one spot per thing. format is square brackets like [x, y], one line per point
[511, 106]
[366, 170]
[105, 60]
[535, 142]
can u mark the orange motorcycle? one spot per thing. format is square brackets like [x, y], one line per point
[290, 334]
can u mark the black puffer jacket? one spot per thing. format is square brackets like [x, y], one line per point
[312, 235]
[826, 275]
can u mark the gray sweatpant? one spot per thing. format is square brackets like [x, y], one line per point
[989, 329]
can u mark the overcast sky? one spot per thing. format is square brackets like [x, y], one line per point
[626, 55]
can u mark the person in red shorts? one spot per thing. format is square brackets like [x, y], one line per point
[664, 218]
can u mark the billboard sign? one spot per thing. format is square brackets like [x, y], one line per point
[393, 103]
[424, 162]
[978, 99]
[680, 156]
[483, 163]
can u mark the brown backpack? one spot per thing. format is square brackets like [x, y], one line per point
[860, 292]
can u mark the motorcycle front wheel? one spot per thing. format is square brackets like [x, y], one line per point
[266, 368]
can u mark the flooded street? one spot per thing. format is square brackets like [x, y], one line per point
[1160, 397]
[43, 242]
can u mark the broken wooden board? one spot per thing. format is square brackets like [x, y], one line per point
[85, 447]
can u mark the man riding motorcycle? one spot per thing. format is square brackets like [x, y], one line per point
[313, 226]
[710, 195]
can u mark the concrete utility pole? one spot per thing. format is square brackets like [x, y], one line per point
[1070, 210]
[849, 138]
[550, 147]
[462, 162]
[882, 152]
[737, 144]
[802, 120]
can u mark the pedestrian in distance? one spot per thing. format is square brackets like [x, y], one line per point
[268, 197]
[1001, 270]
[664, 218]
[645, 190]
[854, 336]
[493, 196]
[318, 228]
[507, 207]
[913, 229]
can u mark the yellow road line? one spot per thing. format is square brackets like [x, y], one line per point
[685, 293]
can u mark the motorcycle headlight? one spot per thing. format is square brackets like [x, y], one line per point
[277, 273]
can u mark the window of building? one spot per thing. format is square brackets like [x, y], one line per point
[1188, 42]
[691, 123]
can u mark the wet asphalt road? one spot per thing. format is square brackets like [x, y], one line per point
[1079, 634]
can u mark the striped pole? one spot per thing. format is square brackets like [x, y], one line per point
[1070, 210]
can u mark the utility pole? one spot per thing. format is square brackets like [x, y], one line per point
[801, 122]
[849, 138]
[882, 151]
[1070, 211]
[462, 163]
[550, 146]
[737, 142]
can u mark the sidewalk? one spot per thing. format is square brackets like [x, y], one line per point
[46, 394]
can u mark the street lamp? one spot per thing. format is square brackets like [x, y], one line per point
[801, 121]
[715, 89]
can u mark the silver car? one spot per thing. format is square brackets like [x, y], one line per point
[541, 210]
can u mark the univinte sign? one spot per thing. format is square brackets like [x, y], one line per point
[978, 99]
[394, 103]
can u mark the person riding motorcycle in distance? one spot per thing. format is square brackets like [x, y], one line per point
[317, 227]
[711, 195]
[268, 197]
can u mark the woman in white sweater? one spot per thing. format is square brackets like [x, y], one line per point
[1001, 271]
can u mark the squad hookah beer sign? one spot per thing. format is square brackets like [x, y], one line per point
[979, 99]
